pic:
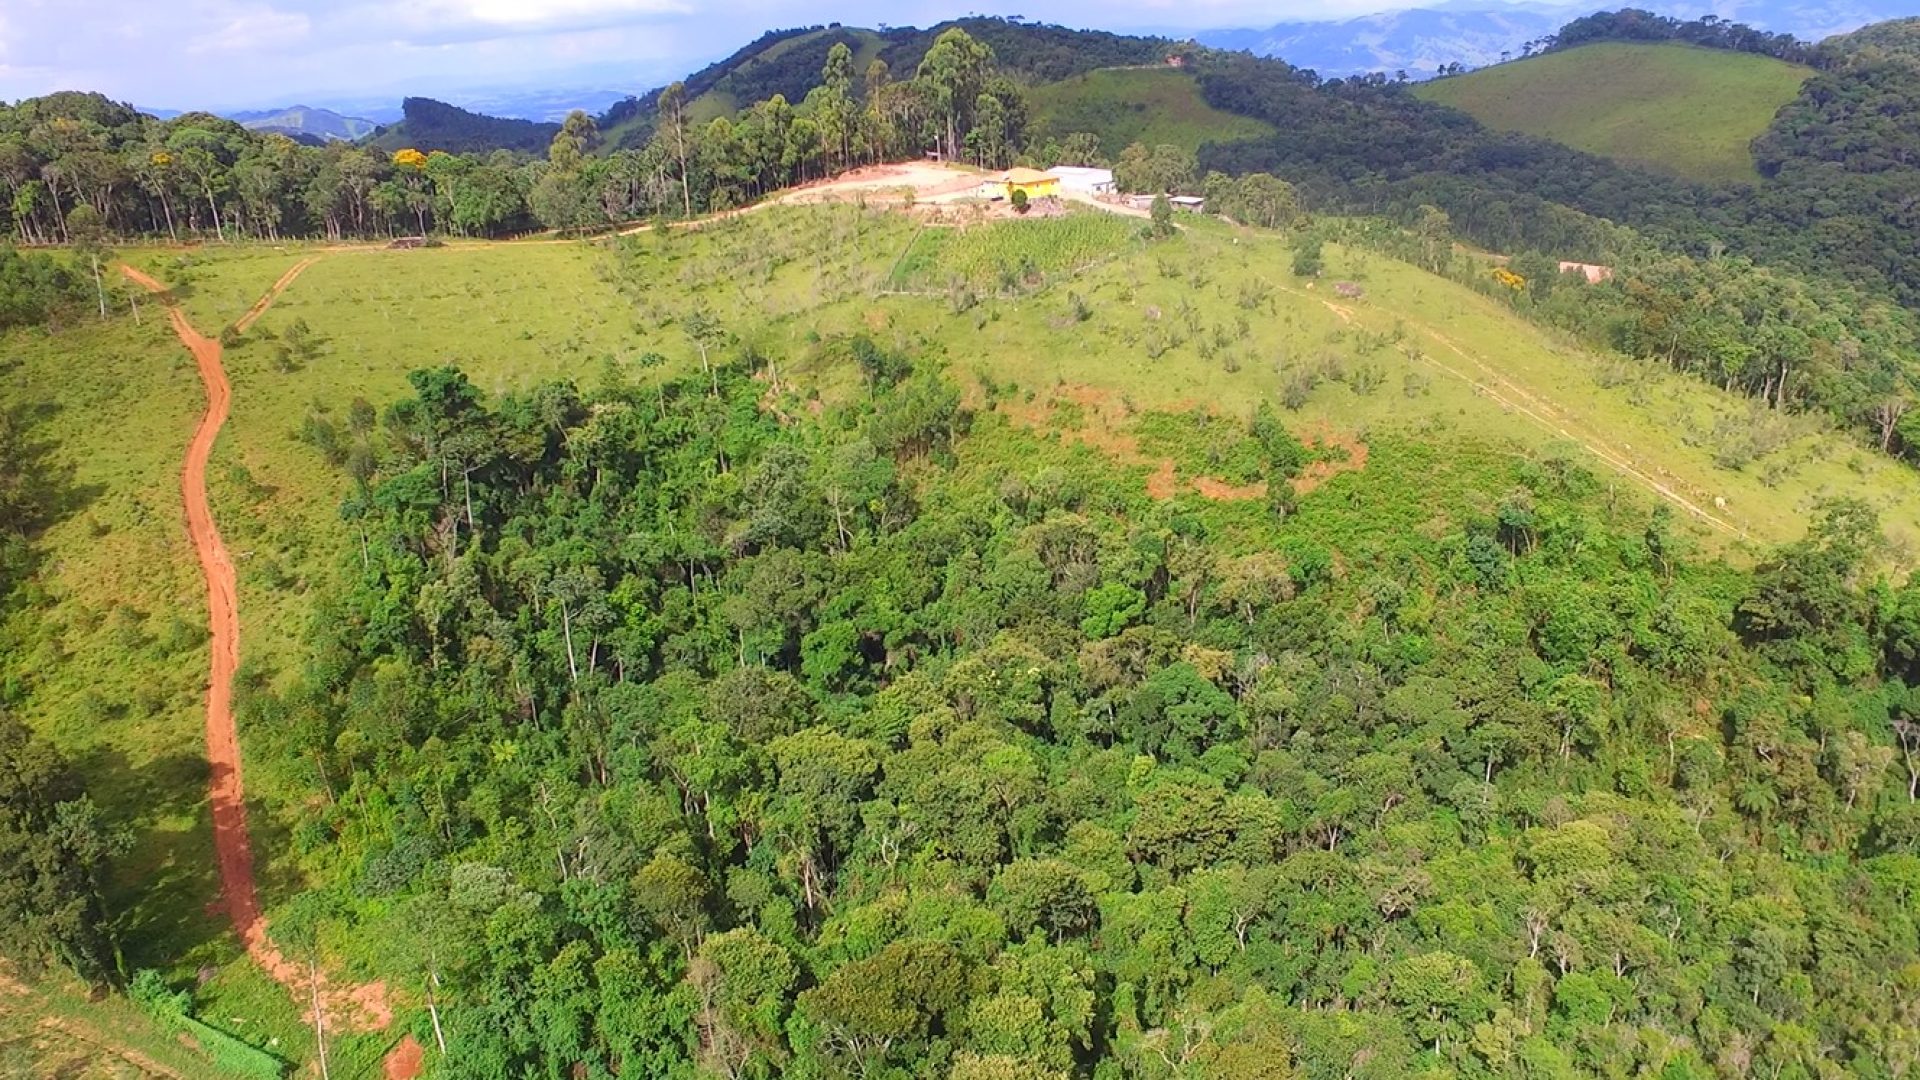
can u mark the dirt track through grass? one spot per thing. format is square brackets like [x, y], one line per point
[365, 1006]
[1547, 415]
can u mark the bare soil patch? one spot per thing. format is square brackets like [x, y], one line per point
[405, 1061]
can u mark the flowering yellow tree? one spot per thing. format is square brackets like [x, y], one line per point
[412, 166]
[1508, 278]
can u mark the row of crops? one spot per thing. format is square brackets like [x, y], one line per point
[1009, 256]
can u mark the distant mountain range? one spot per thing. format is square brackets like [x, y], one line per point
[1420, 40]
[304, 120]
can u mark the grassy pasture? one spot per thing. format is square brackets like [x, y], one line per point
[1126, 105]
[1678, 109]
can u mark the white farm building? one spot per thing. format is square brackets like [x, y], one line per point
[1083, 180]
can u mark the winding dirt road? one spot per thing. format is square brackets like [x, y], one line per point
[363, 1007]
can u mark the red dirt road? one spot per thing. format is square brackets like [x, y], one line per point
[363, 1007]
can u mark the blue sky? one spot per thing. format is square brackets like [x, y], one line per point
[243, 53]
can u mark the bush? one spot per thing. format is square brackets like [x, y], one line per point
[1162, 216]
[1307, 258]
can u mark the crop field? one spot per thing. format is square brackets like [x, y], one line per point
[1155, 106]
[1688, 111]
[1010, 255]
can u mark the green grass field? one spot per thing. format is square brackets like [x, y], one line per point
[1154, 106]
[54, 1028]
[1212, 318]
[1679, 109]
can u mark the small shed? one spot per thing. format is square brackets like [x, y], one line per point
[1192, 204]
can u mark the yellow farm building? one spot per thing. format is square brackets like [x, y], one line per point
[1037, 184]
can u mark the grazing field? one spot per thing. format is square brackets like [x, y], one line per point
[1678, 109]
[1154, 106]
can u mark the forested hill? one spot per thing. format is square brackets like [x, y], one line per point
[1895, 39]
[429, 125]
[1370, 144]
[788, 63]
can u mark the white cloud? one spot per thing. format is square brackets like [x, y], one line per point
[253, 29]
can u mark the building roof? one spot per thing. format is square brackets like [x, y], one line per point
[1082, 172]
[1028, 176]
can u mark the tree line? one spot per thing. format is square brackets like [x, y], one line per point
[1707, 31]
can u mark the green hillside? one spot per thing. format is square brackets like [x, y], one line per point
[430, 125]
[1682, 110]
[1126, 105]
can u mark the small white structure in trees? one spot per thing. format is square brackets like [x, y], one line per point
[1079, 178]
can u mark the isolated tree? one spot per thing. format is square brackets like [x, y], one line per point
[410, 166]
[1081, 148]
[204, 156]
[1266, 200]
[833, 105]
[672, 108]
[1307, 259]
[1435, 230]
[1158, 170]
[1162, 215]
[568, 150]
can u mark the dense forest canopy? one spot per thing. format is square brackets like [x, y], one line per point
[673, 737]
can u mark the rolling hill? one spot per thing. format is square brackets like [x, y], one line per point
[306, 120]
[427, 124]
[1158, 105]
[1476, 33]
[1686, 111]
